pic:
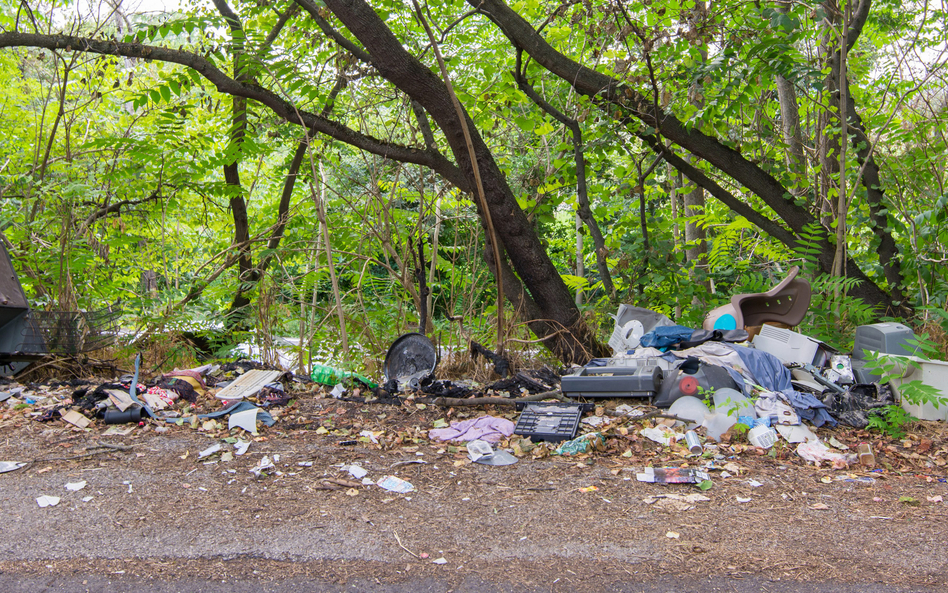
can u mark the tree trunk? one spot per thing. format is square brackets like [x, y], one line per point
[529, 258]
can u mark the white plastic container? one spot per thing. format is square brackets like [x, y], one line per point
[930, 372]
[788, 346]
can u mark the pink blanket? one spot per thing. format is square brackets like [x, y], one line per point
[485, 428]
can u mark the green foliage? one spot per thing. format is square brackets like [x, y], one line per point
[891, 421]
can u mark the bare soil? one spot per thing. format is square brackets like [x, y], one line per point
[158, 513]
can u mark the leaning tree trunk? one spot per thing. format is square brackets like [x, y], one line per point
[553, 301]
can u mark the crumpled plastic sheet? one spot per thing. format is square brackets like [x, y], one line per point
[817, 451]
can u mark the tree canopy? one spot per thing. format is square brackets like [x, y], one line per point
[331, 169]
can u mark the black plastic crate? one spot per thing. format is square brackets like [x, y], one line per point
[550, 422]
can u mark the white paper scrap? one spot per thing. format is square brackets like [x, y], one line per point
[47, 501]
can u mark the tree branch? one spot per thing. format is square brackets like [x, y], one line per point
[227, 85]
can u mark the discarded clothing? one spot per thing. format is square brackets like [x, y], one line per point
[770, 403]
[769, 372]
[700, 336]
[663, 337]
[485, 428]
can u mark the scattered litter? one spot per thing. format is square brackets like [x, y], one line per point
[819, 506]
[581, 444]
[937, 498]
[762, 436]
[264, 465]
[835, 443]
[743, 499]
[75, 418]
[662, 437]
[246, 420]
[672, 475]
[240, 447]
[338, 391]
[754, 483]
[630, 411]
[47, 501]
[796, 434]
[481, 452]
[356, 471]
[595, 421]
[439, 561]
[589, 489]
[866, 458]
[817, 451]
[9, 466]
[372, 436]
[87, 498]
[209, 451]
[395, 484]
[672, 535]
[75, 486]
[121, 431]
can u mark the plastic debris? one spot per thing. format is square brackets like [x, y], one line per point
[246, 419]
[264, 465]
[797, 434]
[9, 466]
[733, 403]
[47, 501]
[75, 486]
[627, 410]
[595, 421]
[817, 451]
[481, 452]
[356, 471]
[717, 424]
[395, 484]
[439, 561]
[835, 443]
[691, 408]
[209, 451]
[672, 475]
[581, 444]
[662, 437]
[240, 447]
[338, 391]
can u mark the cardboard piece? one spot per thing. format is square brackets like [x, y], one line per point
[120, 399]
[75, 418]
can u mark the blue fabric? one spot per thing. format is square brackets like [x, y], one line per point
[773, 376]
[663, 337]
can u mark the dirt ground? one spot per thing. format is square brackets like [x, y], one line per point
[151, 511]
